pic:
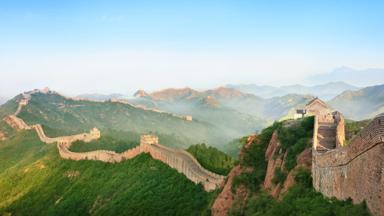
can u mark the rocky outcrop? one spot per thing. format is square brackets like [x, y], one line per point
[210, 101]
[141, 93]
[303, 161]
[275, 158]
[275, 161]
[224, 201]
[227, 197]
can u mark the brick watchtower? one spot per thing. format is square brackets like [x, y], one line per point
[149, 139]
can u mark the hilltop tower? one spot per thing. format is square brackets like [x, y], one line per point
[149, 139]
[313, 108]
[95, 133]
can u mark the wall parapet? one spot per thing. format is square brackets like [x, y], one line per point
[370, 136]
[343, 171]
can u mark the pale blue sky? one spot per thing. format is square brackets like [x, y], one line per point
[119, 46]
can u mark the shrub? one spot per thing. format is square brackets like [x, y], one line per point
[279, 176]
[212, 159]
[295, 139]
[254, 157]
[303, 177]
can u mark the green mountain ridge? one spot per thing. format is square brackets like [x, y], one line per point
[63, 116]
[230, 110]
[34, 180]
[210, 106]
[32, 172]
[361, 104]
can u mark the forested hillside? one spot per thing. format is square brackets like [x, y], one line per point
[34, 180]
[60, 116]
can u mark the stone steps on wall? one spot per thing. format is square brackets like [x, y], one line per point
[327, 125]
[326, 128]
[322, 149]
[328, 143]
[326, 137]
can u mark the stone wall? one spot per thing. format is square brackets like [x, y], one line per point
[355, 171]
[16, 123]
[178, 159]
[315, 142]
[329, 131]
[184, 163]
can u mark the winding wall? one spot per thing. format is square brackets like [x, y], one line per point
[355, 171]
[178, 159]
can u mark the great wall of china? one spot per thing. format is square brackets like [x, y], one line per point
[178, 159]
[343, 171]
[353, 171]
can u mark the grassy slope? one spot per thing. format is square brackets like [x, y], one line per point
[68, 117]
[35, 181]
[104, 143]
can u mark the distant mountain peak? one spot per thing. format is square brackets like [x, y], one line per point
[174, 93]
[360, 104]
[141, 93]
[225, 92]
[358, 77]
[325, 91]
[210, 101]
[44, 90]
